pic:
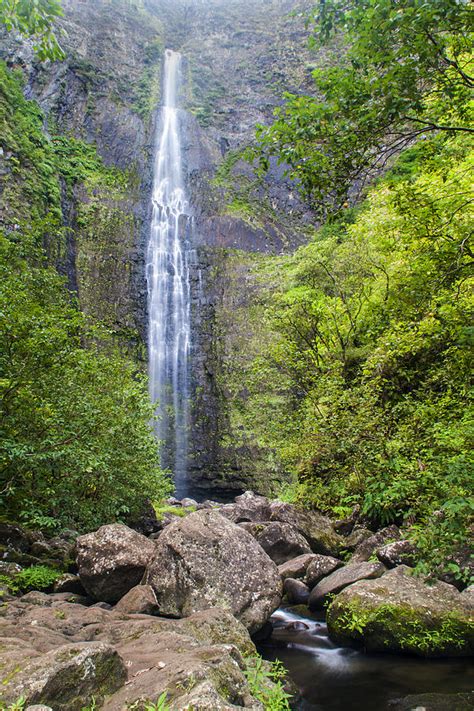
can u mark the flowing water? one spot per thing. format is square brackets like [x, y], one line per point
[168, 283]
[332, 678]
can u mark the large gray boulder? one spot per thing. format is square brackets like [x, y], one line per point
[205, 561]
[401, 613]
[68, 677]
[340, 579]
[247, 507]
[280, 541]
[112, 560]
[316, 528]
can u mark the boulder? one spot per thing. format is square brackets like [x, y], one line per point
[69, 583]
[316, 528]
[397, 553]
[369, 546]
[358, 535]
[320, 567]
[296, 592]
[434, 702]
[112, 561]
[468, 596]
[140, 600]
[344, 526]
[67, 678]
[401, 613]
[205, 561]
[247, 507]
[340, 579]
[280, 541]
[296, 567]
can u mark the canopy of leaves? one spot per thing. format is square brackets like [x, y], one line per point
[395, 71]
[35, 19]
[373, 339]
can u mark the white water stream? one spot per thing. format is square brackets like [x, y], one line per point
[167, 272]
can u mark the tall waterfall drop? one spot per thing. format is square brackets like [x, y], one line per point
[167, 272]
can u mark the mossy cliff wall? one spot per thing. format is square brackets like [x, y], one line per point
[239, 57]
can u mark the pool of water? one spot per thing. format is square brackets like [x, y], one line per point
[332, 678]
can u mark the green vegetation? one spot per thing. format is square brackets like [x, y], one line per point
[357, 372]
[38, 577]
[400, 627]
[266, 683]
[397, 72]
[34, 19]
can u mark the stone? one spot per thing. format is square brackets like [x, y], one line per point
[69, 583]
[341, 578]
[345, 526]
[316, 528]
[370, 545]
[296, 567]
[146, 521]
[319, 567]
[358, 535]
[204, 561]
[434, 702]
[38, 707]
[280, 541]
[397, 553]
[247, 507]
[140, 600]
[67, 677]
[401, 613]
[112, 560]
[296, 592]
[468, 596]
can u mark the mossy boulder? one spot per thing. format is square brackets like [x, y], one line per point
[401, 613]
[68, 677]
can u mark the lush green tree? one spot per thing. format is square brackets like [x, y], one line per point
[76, 445]
[35, 19]
[395, 71]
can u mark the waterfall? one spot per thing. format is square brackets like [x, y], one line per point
[168, 283]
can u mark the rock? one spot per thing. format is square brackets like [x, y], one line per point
[370, 545]
[68, 677]
[344, 526]
[297, 593]
[112, 561]
[187, 503]
[70, 584]
[434, 702]
[140, 600]
[280, 541]
[319, 567]
[296, 567]
[468, 596]
[37, 598]
[316, 528]
[205, 561]
[247, 507]
[359, 535]
[401, 613]
[38, 707]
[463, 560]
[14, 537]
[146, 522]
[397, 553]
[340, 579]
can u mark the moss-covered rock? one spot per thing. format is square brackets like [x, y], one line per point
[401, 613]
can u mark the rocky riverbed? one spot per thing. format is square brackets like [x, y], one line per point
[172, 612]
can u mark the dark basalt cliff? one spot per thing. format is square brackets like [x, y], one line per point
[239, 57]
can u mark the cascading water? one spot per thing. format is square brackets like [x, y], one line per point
[168, 285]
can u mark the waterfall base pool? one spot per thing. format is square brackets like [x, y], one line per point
[332, 678]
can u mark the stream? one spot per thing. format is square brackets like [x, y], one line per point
[332, 678]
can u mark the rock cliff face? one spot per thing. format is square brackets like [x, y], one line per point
[239, 56]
